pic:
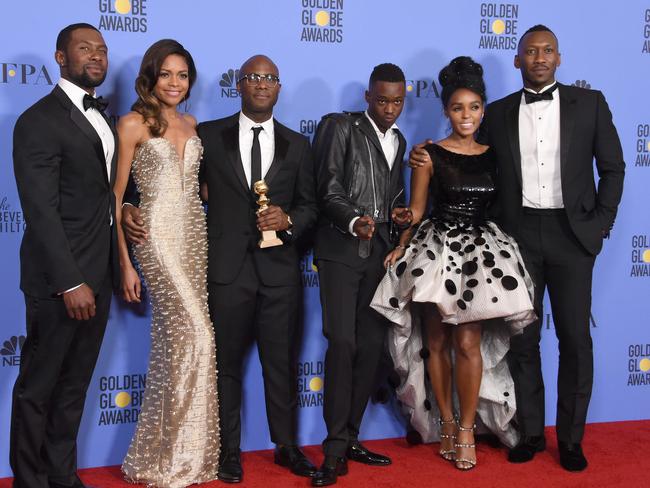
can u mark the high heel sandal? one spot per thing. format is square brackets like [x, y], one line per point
[449, 454]
[465, 464]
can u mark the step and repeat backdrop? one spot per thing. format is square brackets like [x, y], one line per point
[325, 50]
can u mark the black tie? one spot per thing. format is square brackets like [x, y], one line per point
[536, 97]
[97, 103]
[256, 157]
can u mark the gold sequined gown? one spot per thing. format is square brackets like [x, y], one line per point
[176, 442]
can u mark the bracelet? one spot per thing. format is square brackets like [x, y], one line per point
[399, 246]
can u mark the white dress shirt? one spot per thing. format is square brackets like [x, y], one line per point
[76, 95]
[267, 143]
[539, 145]
[389, 145]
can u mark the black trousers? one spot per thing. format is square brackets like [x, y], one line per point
[247, 310]
[557, 261]
[56, 365]
[355, 335]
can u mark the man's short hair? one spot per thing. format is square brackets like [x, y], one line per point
[63, 39]
[387, 72]
[536, 28]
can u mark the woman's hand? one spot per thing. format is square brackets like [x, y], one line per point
[402, 216]
[131, 285]
[394, 256]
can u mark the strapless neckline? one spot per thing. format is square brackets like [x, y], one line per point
[179, 156]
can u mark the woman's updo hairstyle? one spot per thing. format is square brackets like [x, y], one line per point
[462, 72]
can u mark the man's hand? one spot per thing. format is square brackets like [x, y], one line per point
[80, 303]
[364, 228]
[273, 218]
[419, 156]
[402, 216]
[133, 225]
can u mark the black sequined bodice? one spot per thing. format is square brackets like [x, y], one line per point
[462, 186]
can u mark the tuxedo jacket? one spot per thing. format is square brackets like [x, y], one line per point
[66, 196]
[232, 207]
[586, 133]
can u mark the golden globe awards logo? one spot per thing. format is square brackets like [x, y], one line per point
[120, 398]
[11, 220]
[24, 74]
[322, 21]
[498, 26]
[422, 88]
[640, 256]
[123, 15]
[308, 127]
[10, 350]
[309, 271]
[642, 145]
[646, 33]
[638, 365]
[310, 384]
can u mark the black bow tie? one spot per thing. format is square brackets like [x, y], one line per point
[536, 97]
[97, 103]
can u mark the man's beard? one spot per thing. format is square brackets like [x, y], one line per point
[84, 80]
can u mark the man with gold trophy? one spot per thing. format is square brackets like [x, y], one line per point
[254, 284]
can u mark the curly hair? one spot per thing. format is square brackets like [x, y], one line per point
[461, 72]
[147, 103]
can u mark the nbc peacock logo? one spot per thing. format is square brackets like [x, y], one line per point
[228, 83]
[10, 350]
[123, 15]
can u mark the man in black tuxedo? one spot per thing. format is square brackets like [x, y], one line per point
[64, 161]
[254, 294]
[359, 182]
[546, 137]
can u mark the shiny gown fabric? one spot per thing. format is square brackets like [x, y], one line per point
[176, 442]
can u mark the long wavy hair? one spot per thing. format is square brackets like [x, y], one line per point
[147, 104]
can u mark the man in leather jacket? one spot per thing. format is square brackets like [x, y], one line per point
[359, 181]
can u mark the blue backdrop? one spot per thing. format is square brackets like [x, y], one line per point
[325, 50]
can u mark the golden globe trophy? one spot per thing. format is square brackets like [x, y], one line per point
[269, 237]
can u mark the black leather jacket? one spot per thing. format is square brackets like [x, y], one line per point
[352, 174]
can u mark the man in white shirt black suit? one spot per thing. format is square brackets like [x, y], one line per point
[546, 138]
[64, 163]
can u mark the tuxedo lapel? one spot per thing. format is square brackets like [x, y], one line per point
[86, 128]
[512, 127]
[230, 139]
[280, 153]
[567, 121]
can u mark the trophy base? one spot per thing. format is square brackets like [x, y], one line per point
[269, 239]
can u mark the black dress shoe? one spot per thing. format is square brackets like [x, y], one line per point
[332, 468]
[572, 457]
[526, 449]
[230, 466]
[293, 458]
[357, 452]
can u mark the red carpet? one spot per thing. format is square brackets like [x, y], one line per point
[617, 452]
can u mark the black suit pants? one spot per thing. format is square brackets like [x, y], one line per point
[247, 310]
[56, 365]
[355, 335]
[557, 261]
